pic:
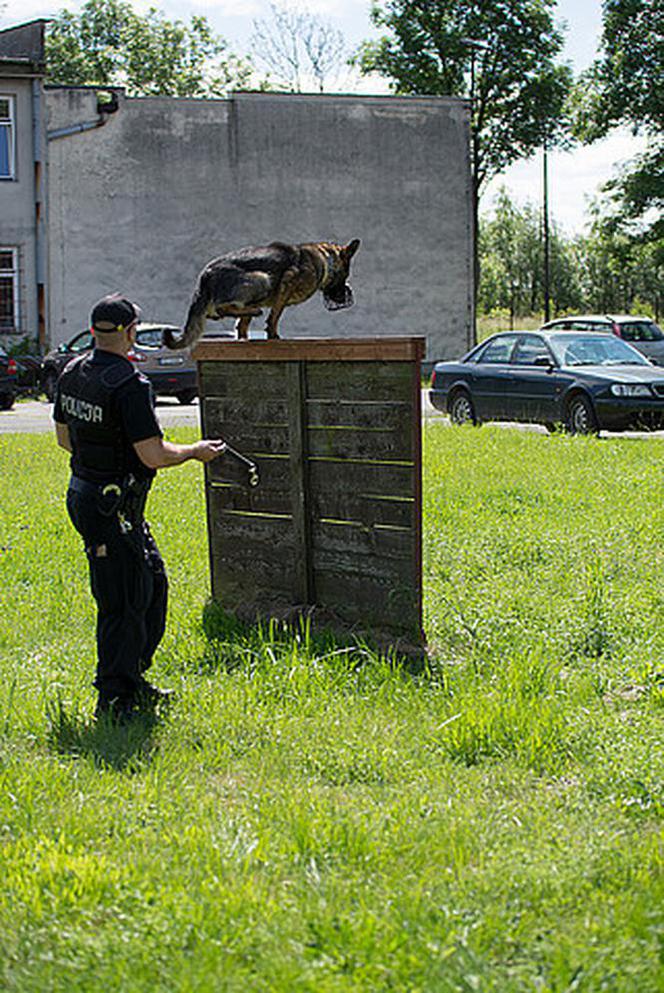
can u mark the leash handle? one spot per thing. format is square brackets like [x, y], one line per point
[252, 468]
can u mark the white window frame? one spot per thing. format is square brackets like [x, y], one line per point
[11, 121]
[14, 273]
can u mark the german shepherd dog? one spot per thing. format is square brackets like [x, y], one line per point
[277, 276]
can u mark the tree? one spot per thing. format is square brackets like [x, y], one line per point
[510, 246]
[108, 44]
[625, 85]
[501, 54]
[294, 44]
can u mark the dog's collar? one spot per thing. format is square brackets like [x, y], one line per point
[329, 269]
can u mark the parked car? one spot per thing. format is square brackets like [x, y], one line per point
[8, 376]
[641, 332]
[586, 381]
[172, 373]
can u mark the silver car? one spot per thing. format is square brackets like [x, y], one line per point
[172, 373]
[641, 332]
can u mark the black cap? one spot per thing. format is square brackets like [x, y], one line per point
[114, 313]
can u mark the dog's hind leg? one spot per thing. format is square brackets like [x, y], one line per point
[242, 327]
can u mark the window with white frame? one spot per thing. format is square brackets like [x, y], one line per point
[6, 137]
[8, 290]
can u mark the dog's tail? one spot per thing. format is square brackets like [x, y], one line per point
[194, 325]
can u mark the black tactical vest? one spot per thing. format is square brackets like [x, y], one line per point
[88, 402]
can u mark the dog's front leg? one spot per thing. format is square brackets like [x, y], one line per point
[272, 321]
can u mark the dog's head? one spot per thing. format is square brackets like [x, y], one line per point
[337, 293]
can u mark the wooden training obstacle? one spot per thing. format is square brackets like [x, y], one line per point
[334, 428]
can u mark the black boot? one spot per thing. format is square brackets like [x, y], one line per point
[149, 697]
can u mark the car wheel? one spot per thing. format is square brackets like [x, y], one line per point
[187, 396]
[6, 401]
[49, 383]
[462, 410]
[580, 417]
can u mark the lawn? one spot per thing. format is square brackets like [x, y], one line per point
[310, 817]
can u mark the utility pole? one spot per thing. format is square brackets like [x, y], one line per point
[545, 225]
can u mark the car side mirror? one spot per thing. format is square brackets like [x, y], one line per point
[543, 360]
[62, 347]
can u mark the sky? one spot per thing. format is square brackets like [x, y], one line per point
[574, 176]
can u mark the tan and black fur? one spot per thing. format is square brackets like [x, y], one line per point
[241, 283]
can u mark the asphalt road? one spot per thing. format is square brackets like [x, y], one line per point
[34, 417]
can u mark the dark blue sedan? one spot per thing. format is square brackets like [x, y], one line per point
[585, 381]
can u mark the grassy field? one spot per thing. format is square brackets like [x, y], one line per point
[312, 818]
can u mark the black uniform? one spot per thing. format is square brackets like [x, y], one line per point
[107, 406]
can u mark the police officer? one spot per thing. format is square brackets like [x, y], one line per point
[104, 416]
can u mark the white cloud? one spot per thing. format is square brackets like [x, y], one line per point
[575, 178]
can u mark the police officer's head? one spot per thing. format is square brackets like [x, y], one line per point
[113, 318]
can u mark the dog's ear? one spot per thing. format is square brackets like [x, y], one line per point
[349, 250]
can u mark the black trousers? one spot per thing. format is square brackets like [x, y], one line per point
[129, 583]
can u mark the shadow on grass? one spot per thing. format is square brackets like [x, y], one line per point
[111, 745]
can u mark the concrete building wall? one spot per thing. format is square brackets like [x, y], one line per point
[17, 202]
[141, 203]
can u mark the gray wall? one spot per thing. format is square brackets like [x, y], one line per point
[142, 203]
[17, 201]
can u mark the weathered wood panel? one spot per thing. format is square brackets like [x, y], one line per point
[378, 381]
[361, 443]
[387, 415]
[358, 541]
[370, 601]
[335, 520]
[240, 380]
[363, 509]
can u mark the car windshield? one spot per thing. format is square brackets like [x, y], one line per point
[641, 331]
[594, 349]
[150, 338]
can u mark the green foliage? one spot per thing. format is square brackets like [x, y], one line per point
[108, 44]
[625, 85]
[502, 55]
[607, 271]
[309, 817]
[512, 265]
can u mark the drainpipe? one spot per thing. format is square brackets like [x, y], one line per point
[103, 109]
[41, 209]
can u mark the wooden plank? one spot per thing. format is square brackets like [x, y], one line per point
[242, 380]
[363, 509]
[250, 439]
[273, 472]
[398, 571]
[387, 415]
[366, 478]
[258, 499]
[259, 411]
[379, 381]
[298, 486]
[359, 443]
[353, 539]
[237, 587]
[370, 602]
[385, 348]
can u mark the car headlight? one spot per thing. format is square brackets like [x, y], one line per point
[631, 390]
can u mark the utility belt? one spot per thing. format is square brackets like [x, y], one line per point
[126, 498]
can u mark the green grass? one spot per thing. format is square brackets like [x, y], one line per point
[313, 818]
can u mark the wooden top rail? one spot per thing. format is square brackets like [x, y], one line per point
[382, 349]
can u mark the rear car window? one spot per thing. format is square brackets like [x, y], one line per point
[528, 349]
[149, 339]
[498, 350]
[641, 331]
